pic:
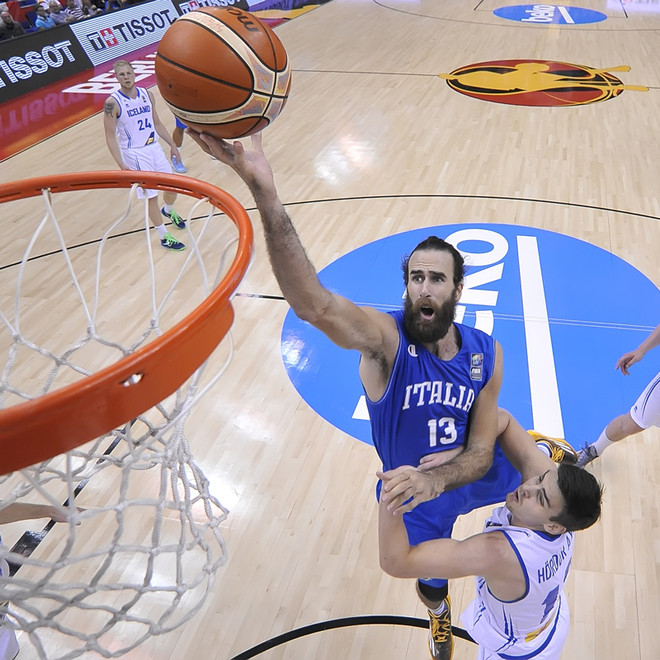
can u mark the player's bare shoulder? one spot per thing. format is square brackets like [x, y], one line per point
[110, 108]
[493, 552]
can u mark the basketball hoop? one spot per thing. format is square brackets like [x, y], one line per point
[97, 417]
[84, 410]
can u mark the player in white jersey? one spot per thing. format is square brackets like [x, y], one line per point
[521, 559]
[644, 414]
[9, 647]
[131, 128]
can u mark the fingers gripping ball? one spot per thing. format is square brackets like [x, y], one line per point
[222, 71]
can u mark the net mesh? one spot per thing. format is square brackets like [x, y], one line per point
[143, 540]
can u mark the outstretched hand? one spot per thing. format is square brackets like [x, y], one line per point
[251, 166]
[405, 487]
[626, 361]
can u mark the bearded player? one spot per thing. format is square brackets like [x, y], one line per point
[431, 384]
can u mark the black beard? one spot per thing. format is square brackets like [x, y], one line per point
[429, 333]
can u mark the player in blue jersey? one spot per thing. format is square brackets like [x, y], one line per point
[431, 384]
[522, 558]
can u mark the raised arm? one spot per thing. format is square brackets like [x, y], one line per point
[110, 114]
[487, 555]
[627, 360]
[369, 331]
[419, 484]
[519, 447]
[26, 511]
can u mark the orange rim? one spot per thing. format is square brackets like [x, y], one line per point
[57, 422]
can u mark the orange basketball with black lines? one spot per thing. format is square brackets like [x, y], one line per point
[222, 71]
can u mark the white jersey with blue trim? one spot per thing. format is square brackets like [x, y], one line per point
[9, 647]
[527, 627]
[135, 123]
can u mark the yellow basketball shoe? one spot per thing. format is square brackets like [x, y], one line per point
[560, 451]
[441, 640]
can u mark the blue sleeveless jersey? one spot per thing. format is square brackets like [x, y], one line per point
[426, 405]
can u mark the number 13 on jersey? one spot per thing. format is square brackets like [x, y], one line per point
[442, 430]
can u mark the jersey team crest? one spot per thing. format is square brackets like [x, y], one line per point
[540, 83]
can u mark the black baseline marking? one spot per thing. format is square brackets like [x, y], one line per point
[332, 624]
[93, 242]
[29, 541]
[265, 296]
[497, 198]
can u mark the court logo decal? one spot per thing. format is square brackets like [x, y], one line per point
[538, 82]
[563, 310]
[550, 14]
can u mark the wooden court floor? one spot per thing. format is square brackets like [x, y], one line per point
[371, 143]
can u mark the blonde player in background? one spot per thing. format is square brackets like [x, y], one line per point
[131, 124]
[644, 414]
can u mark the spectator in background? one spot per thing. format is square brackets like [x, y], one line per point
[73, 11]
[90, 9]
[111, 5]
[59, 17]
[9, 28]
[43, 20]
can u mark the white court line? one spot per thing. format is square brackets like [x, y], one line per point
[361, 411]
[564, 12]
[546, 409]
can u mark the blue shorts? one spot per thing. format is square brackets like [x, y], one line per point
[179, 123]
[435, 519]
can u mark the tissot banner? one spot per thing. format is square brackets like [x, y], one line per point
[111, 36]
[38, 60]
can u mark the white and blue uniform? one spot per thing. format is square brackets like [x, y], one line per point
[646, 411]
[534, 626]
[137, 136]
[9, 647]
[425, 409]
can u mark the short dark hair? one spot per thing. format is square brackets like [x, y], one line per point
[582, 495]
[440, 245]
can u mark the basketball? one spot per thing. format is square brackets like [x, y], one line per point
[222, 71]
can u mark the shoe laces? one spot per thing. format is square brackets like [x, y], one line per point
[440, 627]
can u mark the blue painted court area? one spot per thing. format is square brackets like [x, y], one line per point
[563, 310]
[550, 14]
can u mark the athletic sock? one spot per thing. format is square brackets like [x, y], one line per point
[168, 208]
[541, 446]
[161, 230]
[602, 443]
[440, 609]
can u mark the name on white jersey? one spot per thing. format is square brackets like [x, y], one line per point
[138, 111]
[554, 563]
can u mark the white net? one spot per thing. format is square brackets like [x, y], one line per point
[140, 557]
